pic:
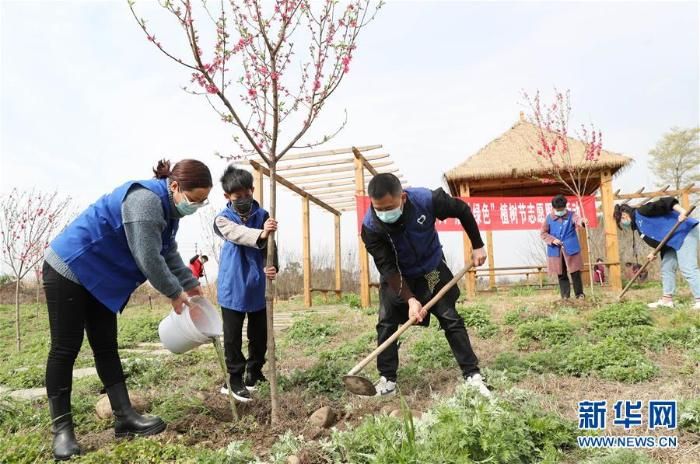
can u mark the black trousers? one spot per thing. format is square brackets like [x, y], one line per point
[72, 312]
[236, 363]
[565, 286]
[393, 311]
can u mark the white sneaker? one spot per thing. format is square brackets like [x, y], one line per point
[661, 304]
[242, 395]
[476, 381]
[385, 387]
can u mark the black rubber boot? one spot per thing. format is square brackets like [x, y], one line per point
[64, 443]
[127, 422]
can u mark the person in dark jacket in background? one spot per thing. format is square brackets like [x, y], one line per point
[399, 232]
[653, 221]
[243, 274]
[91, 268]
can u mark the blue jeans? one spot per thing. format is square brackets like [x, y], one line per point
[686, 258]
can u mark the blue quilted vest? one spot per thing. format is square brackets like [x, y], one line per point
[95, 248]
[657, 227]
[564, 230]
[417, 246]
[241, 280]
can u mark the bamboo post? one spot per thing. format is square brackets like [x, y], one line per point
[489, 250]
[612, 250]
[338, 258]
[362, 251]
[307, 251]
[470, 281]
[258, 185]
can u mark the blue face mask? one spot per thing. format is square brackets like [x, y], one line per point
[560, 213]
[391, 216]
[626, 224]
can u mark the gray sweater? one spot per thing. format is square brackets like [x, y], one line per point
[144, 222]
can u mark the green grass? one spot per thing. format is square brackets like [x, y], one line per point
[549, 332]
[615, 342]
[611, 359]
[621, 315]
[463, 428]
[477, 317]
[311, 331]
[522, 290]
[138, 326]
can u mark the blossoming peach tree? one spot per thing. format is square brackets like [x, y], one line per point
[265, 66]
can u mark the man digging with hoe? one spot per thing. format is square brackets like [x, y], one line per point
[399, 232]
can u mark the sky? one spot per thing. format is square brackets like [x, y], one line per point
[86, 102]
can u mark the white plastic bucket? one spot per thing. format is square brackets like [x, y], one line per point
[182, 332]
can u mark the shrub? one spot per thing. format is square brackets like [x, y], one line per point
[612, 359]
[478, 317]
[548, 331]
[621, 315]
[620, 457]
[351, 299]
[466, 425]
[518, 316]
[640, 337]
[689, 418]
[431, 350]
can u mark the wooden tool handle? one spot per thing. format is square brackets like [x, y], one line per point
[656, 250]
[410, 322]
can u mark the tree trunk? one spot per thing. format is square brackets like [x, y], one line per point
[38, 287]
[588, 244]
[269, 301]
[17, 317]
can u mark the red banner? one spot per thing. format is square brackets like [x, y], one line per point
[503, 213]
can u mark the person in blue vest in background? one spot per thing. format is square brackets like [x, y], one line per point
[399, 232]
[91, 269]
[243, 274]
[563, 249]
[652, 222]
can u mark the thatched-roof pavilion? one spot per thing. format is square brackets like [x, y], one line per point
[507, 167]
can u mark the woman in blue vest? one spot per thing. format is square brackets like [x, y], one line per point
[563, 250]
[91, 269]
[652, 222]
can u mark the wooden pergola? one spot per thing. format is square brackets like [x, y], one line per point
[506, 167]
[331, 180]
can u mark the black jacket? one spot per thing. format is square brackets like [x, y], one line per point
[382, 251]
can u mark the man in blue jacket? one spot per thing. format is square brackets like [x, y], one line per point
[399, 232]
